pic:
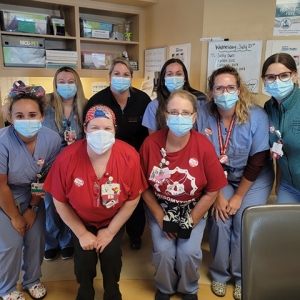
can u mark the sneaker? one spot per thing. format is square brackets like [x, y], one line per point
[50, 254]
[237, 295]
[135, 242]
[218, 288]
[15, 295]
[161, 296]
[37, 291]
[67, 252]
[190, 297]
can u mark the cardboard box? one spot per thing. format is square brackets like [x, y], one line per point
[24, 22]
[97, 60]
[21, 51]
[95, 29]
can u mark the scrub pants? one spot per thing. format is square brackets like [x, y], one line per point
[85, 262]
[58, 234]
[225, 238]
[288, 194]
[176, 262]
[14, 247]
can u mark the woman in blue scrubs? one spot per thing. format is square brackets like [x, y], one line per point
[239, 130]
[27, 151]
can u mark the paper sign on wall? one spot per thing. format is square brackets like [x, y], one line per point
[245, 56]
[154, 60]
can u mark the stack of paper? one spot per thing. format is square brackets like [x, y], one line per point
[61, 58]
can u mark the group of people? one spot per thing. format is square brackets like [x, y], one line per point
[202, 160]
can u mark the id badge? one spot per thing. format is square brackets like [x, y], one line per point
[37, 189]
[154, 173]
[277, 150]
[163, 174]
[110, 193]
[70, 136]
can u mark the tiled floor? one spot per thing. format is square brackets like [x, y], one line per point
[136, 277]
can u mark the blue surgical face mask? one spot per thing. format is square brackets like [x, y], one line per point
[180, 125]
[174, 83]
[66, 91]
[279, 89]
[120, 84]
[100, 141]
[27, 128]
[226, 101]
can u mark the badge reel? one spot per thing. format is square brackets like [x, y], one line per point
[70, 136]
[110, 193]
[37, 187]
[276, 150]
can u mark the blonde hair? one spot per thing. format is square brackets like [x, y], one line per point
[246, 98]
[121, 60]
[79, 100]
[185, 95]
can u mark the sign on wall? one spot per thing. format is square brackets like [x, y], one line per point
[245, 56]
[154, 60]
[287, 18]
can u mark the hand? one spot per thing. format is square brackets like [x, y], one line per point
[87, 241]
[220, 208]
[104, 237]
[168, 235]
[234, 204]
[19, 224]
[30, 217]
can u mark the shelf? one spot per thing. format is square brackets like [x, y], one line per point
[99, 11]
[103, 41]
[47, 36]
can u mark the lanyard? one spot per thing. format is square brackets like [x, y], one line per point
[223, 147]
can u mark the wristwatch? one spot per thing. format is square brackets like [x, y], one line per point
[33, 207]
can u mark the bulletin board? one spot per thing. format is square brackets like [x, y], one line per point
[154, 60]
[245, 56]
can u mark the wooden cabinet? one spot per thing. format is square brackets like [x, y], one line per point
[72, 11]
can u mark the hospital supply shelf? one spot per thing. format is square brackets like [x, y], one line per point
[101, 11]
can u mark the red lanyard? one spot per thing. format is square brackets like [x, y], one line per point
[223, 147]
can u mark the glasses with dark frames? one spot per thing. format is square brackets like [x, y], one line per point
[270, 78]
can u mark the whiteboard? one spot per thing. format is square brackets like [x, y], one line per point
[154, 60]
[245, 56]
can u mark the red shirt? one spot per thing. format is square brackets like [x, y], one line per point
[192, 169]
[72, 179]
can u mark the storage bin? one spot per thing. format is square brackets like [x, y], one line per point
[97, 60]
[24, 22]
[95, 29]
[20, 51]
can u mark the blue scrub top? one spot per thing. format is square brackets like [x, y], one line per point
[49, 121]
[20, 166]
[245, 140]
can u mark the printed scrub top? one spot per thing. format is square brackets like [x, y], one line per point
[192, 169]
[20, 166]
[245, 140]
[72, 179]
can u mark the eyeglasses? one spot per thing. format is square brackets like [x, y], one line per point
[176, 113]
[231, 89]
[270, 78]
